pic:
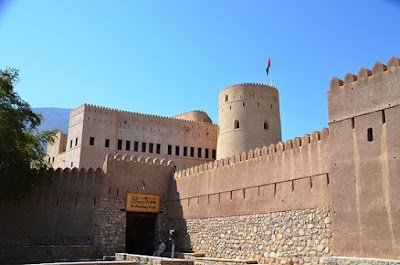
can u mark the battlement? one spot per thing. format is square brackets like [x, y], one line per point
[368, 91]
[78, 171]
[280, 147]
[249, 84]
[111, 111]
[126, 161]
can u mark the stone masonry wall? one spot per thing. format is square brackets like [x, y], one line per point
[109, 226]
[301, 236]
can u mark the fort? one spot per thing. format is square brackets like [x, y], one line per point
[328, 197]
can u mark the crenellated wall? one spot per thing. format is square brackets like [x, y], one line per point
[136, 174]
[293, 175]
[364, 115]
[82, 208]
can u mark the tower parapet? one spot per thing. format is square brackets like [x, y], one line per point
[365, 92]
[249, 117]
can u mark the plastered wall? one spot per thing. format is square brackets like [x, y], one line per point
[364, 115]
[81, 208]
[294, 175]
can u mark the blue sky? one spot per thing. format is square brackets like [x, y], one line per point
[169, 57]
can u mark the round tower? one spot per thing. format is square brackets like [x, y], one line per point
[248, 118]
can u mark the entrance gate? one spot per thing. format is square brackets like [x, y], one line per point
[141, 213]
[140, 233]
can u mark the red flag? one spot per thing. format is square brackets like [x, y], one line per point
[268, 65]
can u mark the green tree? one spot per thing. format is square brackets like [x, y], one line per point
[22, 156]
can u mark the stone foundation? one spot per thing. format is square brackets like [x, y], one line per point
[359, 261]
[109, 226]
[300, 236]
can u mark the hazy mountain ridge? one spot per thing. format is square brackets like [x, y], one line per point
[53, 118]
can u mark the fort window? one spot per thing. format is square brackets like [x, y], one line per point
[128, 145]
[143, 147]
[151, 146]
[70, 144]
[177, 150]
[236, 124]
[370, 135]
[230, 107]
[119, 146]
[107, 143]
[206, 153]
[72, 164]
[91, 140]
[271, 106]
[52, 160]
[169, 151]
[192, 151]
[135, 146]
[49, 159]
[185, 151]
[243, 104]
[158, 148]
[199, 152]
[251, 95]
[266, 125]
[76, 141]
[352, 122]
[226, 98]
[258, 104]
[214, 154]
[274, 98]
[383, 117]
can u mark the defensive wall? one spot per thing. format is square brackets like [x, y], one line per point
[364, 115]
[270, 204]
[79, 215]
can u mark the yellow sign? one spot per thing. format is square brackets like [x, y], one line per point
[143, 203]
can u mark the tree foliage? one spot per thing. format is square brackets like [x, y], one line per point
[22, 156]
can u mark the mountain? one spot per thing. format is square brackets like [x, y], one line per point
[54, 118]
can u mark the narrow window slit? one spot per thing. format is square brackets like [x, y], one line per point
[383, 117]
[370, 136]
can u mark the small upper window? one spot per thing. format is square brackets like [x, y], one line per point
[226, 98]
[236, 125]
[266, 125]
[119, 144]
[251, 95]
[91, 141]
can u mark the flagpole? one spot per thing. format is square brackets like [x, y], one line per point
[270, 78]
